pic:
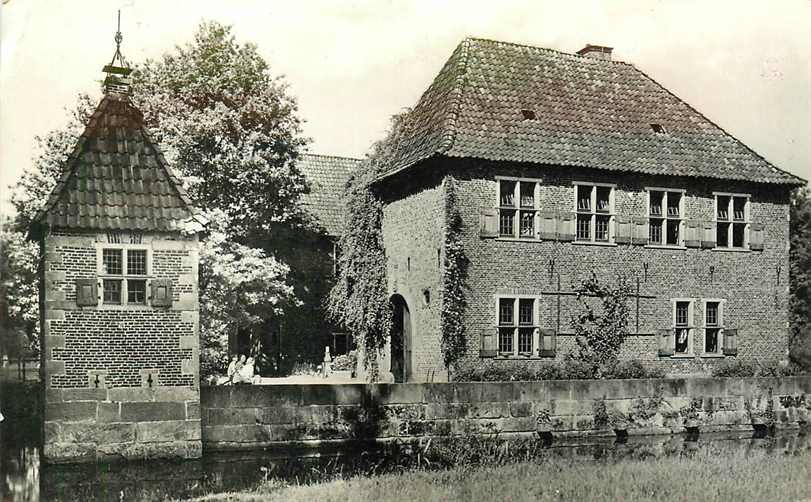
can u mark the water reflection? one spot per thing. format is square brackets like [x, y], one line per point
[25, 479]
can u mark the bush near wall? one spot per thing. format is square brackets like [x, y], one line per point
[569, 369]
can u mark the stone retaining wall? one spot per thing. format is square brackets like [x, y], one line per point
[257, 416]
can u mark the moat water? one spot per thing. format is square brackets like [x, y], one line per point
[25, 478]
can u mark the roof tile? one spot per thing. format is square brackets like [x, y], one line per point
[588, 112]
[328, 176]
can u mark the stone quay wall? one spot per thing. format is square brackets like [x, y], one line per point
[243, 417]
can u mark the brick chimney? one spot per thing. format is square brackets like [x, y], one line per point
[596, 52]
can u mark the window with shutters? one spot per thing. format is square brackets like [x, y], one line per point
[732, 220]
[517, 207]
[683, 327]
[713, 327]
[594, 205]
[517, 326]
[123, 272]
[665, 214]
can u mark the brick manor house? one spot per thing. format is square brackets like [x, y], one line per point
[566, 165]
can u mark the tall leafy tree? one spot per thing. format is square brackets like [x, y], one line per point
[19, 300]
[231, 131]
[800, 278]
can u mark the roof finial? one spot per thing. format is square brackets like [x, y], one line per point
[117, 80]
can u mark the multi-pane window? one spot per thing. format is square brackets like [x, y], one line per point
[130, 267]
[682, 326]
[516, 333]
[517, 207]
[712, 327]
[594, 205]
[665, 213]
[732, 220]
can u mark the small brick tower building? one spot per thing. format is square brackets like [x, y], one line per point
[118, 295]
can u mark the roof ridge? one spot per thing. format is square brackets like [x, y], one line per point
[753, 152]
[546, 49]
[330, 156]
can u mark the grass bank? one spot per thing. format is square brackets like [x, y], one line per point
[705, 475]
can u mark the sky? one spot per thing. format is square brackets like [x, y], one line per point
[352, 64]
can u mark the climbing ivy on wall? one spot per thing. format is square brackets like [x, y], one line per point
[359, 300]
[454, 275]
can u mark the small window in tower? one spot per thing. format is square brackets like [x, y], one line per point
[529, 114]
[658, 128]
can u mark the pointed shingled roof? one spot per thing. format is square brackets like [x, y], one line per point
[116, 178]
[328, 176]
[587, 112]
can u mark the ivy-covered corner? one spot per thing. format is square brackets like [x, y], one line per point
[454, 278]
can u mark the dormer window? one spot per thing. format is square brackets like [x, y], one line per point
[658, 128]
[528, 114]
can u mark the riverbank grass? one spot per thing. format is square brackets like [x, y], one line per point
[704, 475]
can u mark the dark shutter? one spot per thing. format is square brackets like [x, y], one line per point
[692, 233]
[708, 235]
[488, 223]
[666, 342]
[624, 230]
[548, 225]
[489, 343]
[548, 343]
[640, 236]
[161, 292]
[566, 223]
[87, 292]
[756, 236]
[730, 342]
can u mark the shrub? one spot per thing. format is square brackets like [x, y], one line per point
[734, 368]
[346, 362]
[631, 369]
[304, 368]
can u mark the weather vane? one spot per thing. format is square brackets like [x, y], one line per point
[118, 39]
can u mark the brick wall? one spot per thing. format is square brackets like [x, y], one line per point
[753, 284]
[120, 380]
[413, 222]
[239, 417]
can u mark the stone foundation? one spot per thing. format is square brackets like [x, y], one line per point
[243, 417]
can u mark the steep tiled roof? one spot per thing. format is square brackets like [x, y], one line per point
[587, 112]
[327, 176]
[116, 178]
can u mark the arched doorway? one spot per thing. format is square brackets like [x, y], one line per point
[400, 340]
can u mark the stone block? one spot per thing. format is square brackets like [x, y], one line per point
[51, 432]
[675, 387]
[316, 414]
[171, 450]
[71, 412]
[237, 433]
[278, 415]
[69, 452]
[54, 314]
[176, 394]
[439, 392]
[193, 430]
[215, 396]
[706, 387]
[489, 410]
[193, 410]
[265, 396]
[189, 342]
[53, 395]
[73, 432]
[115, 433]
[54, 367]
[131, 394]
[405, 411]
[155, 432]
[151, 411]
[446, 410]
[533, 391]
[84, 394]
[467, 392]
[232, 416]
[109, 412]
[520, 409]
[396, 393]
[512, 424]
[559, 389]
[345, 394]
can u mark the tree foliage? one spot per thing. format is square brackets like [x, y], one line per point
[19, 298]
[228, 126]
[239, 286]
[600, 332]
[454, 276]
[800, 276]
[359, 300]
